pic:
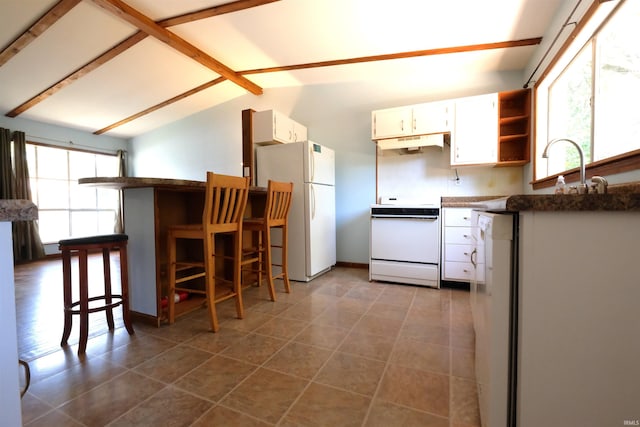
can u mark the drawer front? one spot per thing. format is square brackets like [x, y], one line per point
[459, 253]
[458, 235]
[457, 217]
[462, 271]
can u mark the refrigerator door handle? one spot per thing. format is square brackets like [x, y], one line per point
[313, 201]
[312, 164]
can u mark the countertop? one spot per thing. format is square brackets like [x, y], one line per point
[139, 182]
[17, 210]
[620, 197]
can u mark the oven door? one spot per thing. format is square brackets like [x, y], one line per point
[407, 239]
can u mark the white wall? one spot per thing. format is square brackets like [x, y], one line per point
[336, 115]
[62, 136]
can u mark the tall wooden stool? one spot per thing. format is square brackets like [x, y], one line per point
[82, 246]
[225, 202]
[276, 215]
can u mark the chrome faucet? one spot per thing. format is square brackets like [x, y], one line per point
[582, 188]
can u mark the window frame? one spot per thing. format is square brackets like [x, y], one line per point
[70, 210]
[584, 32]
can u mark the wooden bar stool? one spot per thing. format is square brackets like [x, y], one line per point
[225, 202]
[82, 246]
[276, 215]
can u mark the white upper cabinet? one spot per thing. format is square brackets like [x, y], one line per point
[474, 139]
[271, 126]
[420, 119]
[432, 117]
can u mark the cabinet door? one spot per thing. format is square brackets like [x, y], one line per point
[432, 117]
[282, 128]
[475, 137]
[391, 123]
[299, 132]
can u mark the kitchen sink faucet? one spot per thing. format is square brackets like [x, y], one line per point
[582, 188]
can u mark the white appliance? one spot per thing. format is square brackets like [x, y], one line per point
[493, 305]
[312, 219]
[405, 244]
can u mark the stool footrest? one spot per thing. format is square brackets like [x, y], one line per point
[96, 309]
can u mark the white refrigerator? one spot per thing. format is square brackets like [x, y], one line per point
[312, 219]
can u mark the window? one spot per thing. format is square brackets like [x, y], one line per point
[66, 209]
[586, 96]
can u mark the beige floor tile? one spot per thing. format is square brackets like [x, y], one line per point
[422, 390]
[282, 328]
[421, 355]
[463, 339]
[141, 348]
[425, 331]
[250, 322]
[33, 408]
[74, 381]
[355, 305]
[266, 394]
[225, 417]
[337, 317]
[216, 377]
[400, 295]
[385, 414]
[173, 363]
[322, 336]
[168, 407]
[367, 345]
[322, 405]
[108, 401]
[216, 342]
[370, 324]
[363, 292]
[299, 359]
[464, 402]
[381, 308]
[352, 373]
[54, 419]
[463, 363]
[254, 348]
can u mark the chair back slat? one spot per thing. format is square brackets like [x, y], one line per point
[279, 196]
[225, 201]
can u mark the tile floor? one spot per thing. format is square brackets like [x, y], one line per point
[338, 351]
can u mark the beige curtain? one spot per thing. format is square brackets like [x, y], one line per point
[6, 168]
[15, 185]
[122, 171]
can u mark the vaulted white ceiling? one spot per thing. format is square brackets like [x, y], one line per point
[153, 83]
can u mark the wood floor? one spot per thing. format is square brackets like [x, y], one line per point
[339, 351]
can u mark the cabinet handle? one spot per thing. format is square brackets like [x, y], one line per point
[402, 125]
[473, 261]
[414, 124]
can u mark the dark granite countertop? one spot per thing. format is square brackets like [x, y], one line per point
[141, 182]
[17, 210]
[620, 197]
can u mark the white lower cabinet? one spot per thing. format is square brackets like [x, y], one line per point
[457, 245]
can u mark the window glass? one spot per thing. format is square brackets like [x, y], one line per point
[65, 208]
[586, 96]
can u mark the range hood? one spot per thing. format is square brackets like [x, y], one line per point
[414, 141]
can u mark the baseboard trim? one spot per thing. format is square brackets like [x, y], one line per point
[352, 264]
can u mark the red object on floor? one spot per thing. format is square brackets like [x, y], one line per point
[179, 296]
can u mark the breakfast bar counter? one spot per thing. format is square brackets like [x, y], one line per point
[150, 206]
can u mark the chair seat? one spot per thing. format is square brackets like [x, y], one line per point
[94, 240]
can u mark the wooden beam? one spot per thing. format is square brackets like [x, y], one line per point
[80, 72]
[40, 26]
[129, 42]
[161, 105]
[213, 11]
[441, 51]
[144, 23]
[412, 54]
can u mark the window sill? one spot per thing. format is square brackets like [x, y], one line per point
[613, 165]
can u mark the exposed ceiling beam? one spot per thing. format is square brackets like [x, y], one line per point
[147, 25]
[105, 57]
[39, 27]
[416, 53]
[412, 54]
[161, 105]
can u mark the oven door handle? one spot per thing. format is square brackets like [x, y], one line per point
[427, 217]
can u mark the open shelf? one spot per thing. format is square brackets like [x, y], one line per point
[514, 118]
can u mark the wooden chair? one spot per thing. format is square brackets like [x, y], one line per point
[276, 215]
[225, 202]
[83, 307]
